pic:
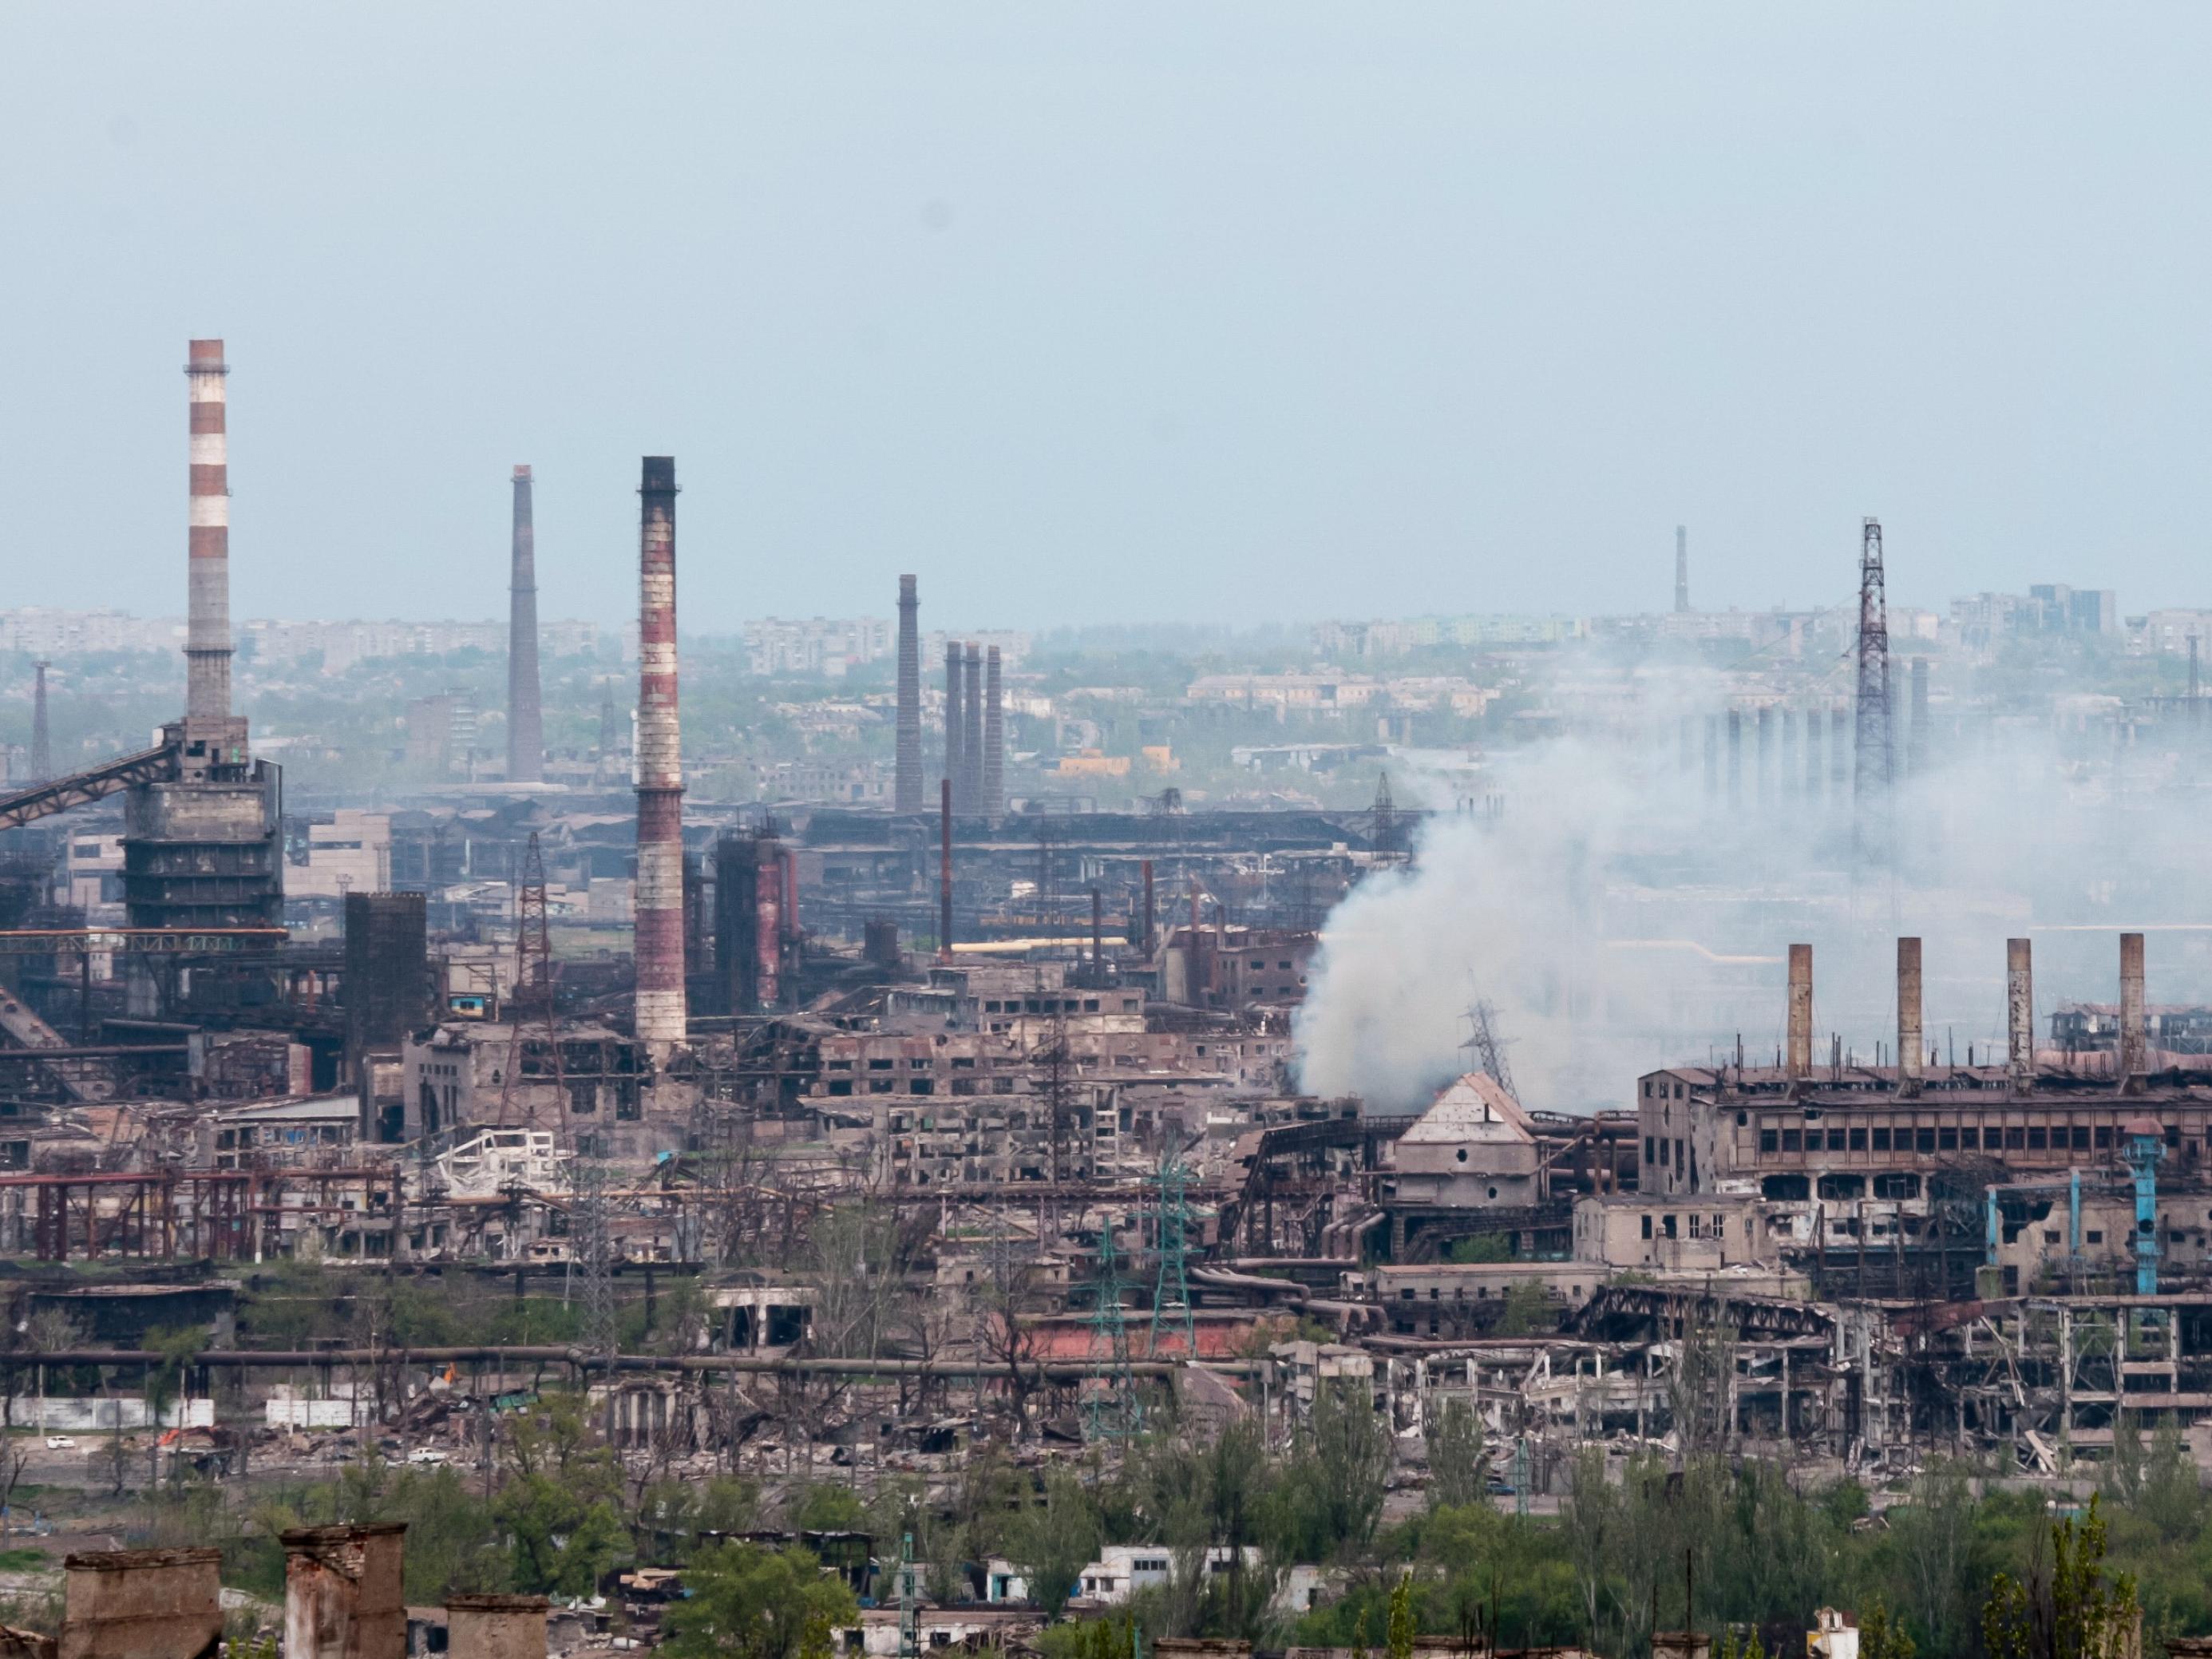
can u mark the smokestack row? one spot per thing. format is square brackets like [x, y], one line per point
[906, 790]
[207, 635]
[661, 1023]
[975, 728]
[526, 719]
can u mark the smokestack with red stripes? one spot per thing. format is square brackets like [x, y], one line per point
[525, 720]
[661, 1019]
[207, 635]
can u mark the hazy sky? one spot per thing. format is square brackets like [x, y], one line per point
[1117, 311]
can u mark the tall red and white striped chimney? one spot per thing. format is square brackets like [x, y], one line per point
[206, 635]
[661, 1016]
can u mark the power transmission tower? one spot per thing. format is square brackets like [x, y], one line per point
[530, 1004]
[592, 1241]
[1489, 1050]
[1870, 781]
[909, 1604]
[1112, 1410]
[1383, 833]
[1171, 1286]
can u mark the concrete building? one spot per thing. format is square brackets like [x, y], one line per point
[1473, 1148]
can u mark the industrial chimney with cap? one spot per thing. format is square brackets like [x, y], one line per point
[526, 720]
[661, 1020]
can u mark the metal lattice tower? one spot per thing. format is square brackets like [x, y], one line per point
[1871, 780]
[1171, 1286]
[530, 1004]
[1383, 838]
[1488, 1048]
[910, 1603]
[1112, 1410]
[591, 1242]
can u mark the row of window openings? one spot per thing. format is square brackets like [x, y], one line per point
[1667, 1227]
[2012, 1138]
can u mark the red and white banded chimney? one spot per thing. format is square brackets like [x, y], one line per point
[661, 1015]
[206, 635]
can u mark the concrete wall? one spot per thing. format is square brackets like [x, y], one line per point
[496, 1628]
[141, 1604]
[341, 1593]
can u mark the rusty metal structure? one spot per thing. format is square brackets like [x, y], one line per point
[660, 1016]
[526, 719]
[906, 787]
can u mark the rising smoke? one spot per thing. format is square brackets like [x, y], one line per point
[1618, 916]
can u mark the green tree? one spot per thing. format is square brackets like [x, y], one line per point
[1401, 1636]
[1055, 1539]
[2064, 1607]
[1882, 1637]
[758, 1604]
[563, 1542]
[1332, 1493]
[1456, 1468]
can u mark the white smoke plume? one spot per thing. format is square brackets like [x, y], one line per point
[1618, 916]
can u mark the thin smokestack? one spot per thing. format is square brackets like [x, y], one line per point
[1098, 937]
[1812, 754]
[2019, 1012]
[1712, 756]
[971, 735]
[955, 715]
[1916, 733]
[1736, 757]
[1839, 753]
[994, 738]
[1910, 1055]
[1681, 568]
[2135, 1030]
[525, 720]
[945, 871]
[661, 1015]
[1800, 1012]
[206, 635]
[1789, 765]
[1765, 755]
[1150, 913]
[42, 751]
[906, 792]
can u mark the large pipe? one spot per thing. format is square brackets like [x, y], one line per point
[661, 1015]
[994, 738]
[1911, 1052]
[525, 720]
[2134, 1032]
[944, 872]
[971, 735]
[2019, 1012]
[954, 715]
[207, 632]
[1800, 1012]
[1766, 731]
[906, 790]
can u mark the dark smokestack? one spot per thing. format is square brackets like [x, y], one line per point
[1911, 1052]
[994, 738]
[956, 713]
[1800, 1012]
[2019, 1012]
[526, 722]
[906, 792]
[206, 635]
[1916, 734]
[1789, 766]
[2135, 1028]
[42, 748]
[1712, 756]
[944, 872]
[1681, 568]
[1150, 913]
[661, 1014]
[971, 734]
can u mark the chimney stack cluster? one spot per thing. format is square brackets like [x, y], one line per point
[974, 730]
